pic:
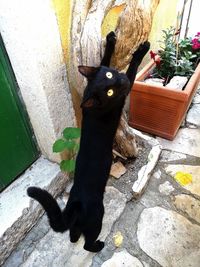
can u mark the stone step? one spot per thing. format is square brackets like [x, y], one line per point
[19, 213]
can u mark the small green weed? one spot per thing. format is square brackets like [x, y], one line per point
[68, 143]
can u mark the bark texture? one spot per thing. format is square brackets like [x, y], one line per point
[125, 140]
[133, 29]
[134, 25]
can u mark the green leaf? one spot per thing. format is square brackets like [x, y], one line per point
[67, 165]
[59, 146]
[71, 133]
[76, 148]
[70, 145]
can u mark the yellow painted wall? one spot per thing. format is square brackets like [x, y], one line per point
[63, 12]
[164, 17]
[111, 19]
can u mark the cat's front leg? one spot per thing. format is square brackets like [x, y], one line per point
[136, 60]
[109, 49]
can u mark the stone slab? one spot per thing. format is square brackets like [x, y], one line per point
[167, 156]
[154, 81]
[55, 249]
[166, 188]
[188, 205]
[18, 213]
[145, 137]
[194, 186]
[177, 83]
[196, 99]
[193, 116]
[122, 258]
[145, 172]
[169, 238]
[157, 174]
[187, 142]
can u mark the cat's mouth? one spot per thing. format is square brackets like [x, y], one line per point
[91, 102]
[88, 103]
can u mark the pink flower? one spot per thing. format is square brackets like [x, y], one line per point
[152, 55]
[156, 60]
[196, 43]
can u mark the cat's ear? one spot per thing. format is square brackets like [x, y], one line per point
[88, 72]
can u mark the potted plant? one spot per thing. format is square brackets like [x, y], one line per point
[158, 108]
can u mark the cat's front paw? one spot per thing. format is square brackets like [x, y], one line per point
[111, 38]
[142, 50]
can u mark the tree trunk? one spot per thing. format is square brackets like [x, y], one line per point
[133, 28]
[125, 142]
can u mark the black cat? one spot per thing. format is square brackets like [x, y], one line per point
[102, 106]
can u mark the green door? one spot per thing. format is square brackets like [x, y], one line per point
[17, 148]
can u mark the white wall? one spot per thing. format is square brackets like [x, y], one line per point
[193, 23]
[30, 33]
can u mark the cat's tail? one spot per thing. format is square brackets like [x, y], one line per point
[52, 209]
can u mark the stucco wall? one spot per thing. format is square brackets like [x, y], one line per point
[31, 36]
[190, 19]
[74, 16]
[63, 10]
[40, 38]
[165, 16]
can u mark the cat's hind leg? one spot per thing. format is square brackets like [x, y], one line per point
[92, 230]
[75, 233]
[94, 247]
[91, 244]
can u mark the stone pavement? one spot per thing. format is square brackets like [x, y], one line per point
[160, 228]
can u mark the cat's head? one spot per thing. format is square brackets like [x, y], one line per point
[106, 87]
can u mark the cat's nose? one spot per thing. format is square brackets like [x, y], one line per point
[123, 81]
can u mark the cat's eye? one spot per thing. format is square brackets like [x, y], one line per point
[110, 92]
[109, 75]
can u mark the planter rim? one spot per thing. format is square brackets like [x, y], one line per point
[162, 90]
[159, 110]
[194, 79]
[159, 90]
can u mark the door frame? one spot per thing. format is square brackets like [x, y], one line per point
[17, 95]
[21, 134]
[35, 51]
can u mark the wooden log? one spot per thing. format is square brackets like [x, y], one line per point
[125, 140]
[86, 45]
[134, 27]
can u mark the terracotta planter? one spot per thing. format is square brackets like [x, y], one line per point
[159, 110]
